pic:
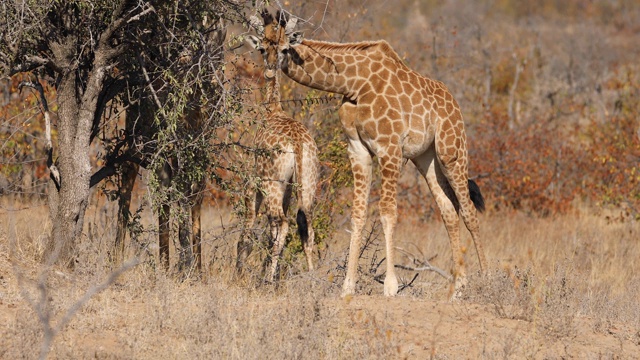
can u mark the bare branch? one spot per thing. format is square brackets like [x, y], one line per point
[33, 62]
[150, 86]
[427, 267]
[54, 172]
[105, 52]
[93, 291]
[140, 15]
[423, 265]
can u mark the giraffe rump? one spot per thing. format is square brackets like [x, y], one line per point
[476, 196]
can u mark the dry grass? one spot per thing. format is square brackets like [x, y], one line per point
[565, 286]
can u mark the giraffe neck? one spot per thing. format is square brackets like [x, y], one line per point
[320, 66]
[272, 97]
[335, 67]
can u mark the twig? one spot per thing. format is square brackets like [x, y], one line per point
[409, 283]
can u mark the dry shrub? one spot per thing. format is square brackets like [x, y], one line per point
[519, 294]
[146, 313]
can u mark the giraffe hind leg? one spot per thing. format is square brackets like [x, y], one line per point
[448, 206]
[361, 167]
[277, 207]
[390, 169]
[470, 201]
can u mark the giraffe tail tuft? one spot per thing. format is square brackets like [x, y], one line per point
[303, 226]
[476, 196]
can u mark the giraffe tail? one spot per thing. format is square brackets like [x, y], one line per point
[476, 196]
[303, 225]
[301, 217]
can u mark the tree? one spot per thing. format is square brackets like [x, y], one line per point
[103, 54]
[76, 47]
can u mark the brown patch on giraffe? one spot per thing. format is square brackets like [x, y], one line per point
[385, 126]
[385, 74]
[363, 72]
[394, 102]
[405, 102]
[368, 129]
[449, 108]
[398, 126]
[378, 83]
[397, 86]
[403, 76]
[350, 72]
[319, 62]
[375, 67]
[416, 97]
[380, 106]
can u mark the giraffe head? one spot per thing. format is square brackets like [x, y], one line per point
[276, 36]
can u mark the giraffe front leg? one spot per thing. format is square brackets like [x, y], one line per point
[361, 167]
[390, 169]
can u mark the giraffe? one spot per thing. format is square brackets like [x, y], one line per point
[391, 112]
[292, 159]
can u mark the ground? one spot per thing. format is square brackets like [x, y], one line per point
[570, 294]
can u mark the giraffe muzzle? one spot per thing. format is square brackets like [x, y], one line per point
[269, 73]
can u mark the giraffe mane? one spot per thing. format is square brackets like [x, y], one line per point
[355, 46]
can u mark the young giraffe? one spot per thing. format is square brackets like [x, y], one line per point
[394, 113]
[293, 159]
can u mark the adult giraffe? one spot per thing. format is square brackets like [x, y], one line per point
[293, 160]
[394, 113]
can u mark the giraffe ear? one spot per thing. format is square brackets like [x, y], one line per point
[295, 38]
[253, 41]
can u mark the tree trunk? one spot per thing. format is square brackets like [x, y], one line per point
[76, 112]
[128, 174]
[164, 225]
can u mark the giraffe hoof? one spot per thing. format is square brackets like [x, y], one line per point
[390, 286]
[460, 285]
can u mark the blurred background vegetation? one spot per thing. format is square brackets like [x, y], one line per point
[549, 91]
